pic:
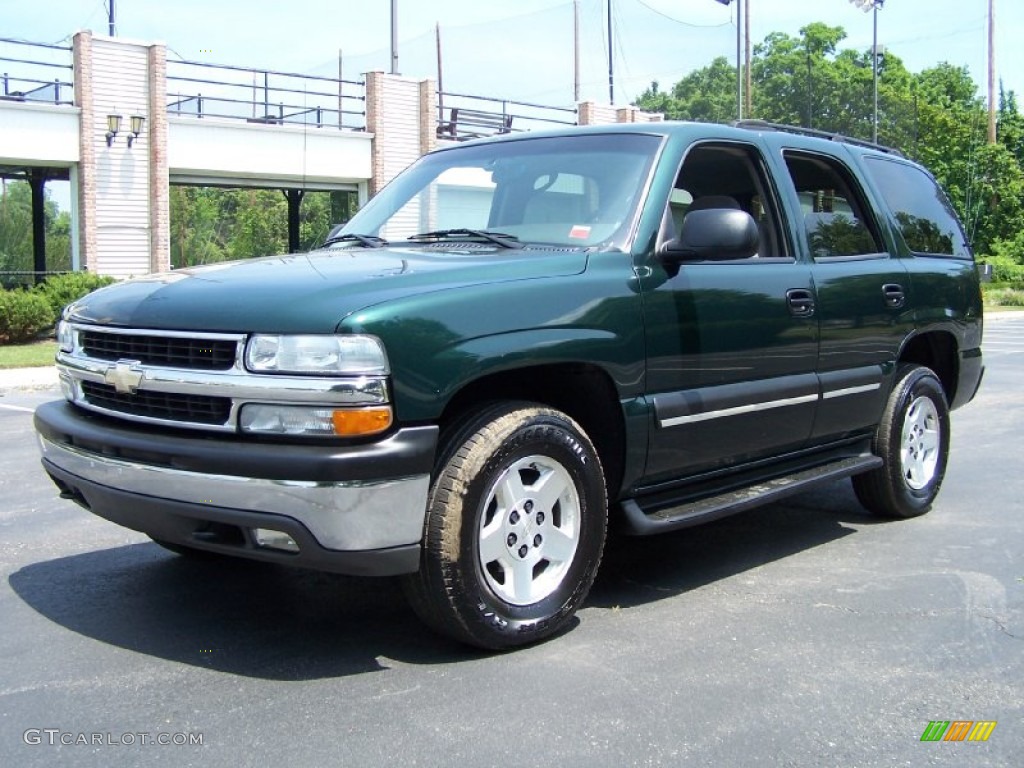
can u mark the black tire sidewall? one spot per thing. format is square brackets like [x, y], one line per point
[557, 438]
[918, 382]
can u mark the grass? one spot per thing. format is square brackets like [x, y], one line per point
[1005, 296]
[34, 355]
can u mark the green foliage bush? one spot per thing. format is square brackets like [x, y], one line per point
[1001, 296]
[61, 290]
[1004, 269]
[23, 314]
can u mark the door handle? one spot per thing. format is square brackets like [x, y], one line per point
[894, 295]
[800, 301]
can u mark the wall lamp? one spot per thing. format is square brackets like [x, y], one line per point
[114, 127]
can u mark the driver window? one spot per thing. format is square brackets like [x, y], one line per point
[728, 176]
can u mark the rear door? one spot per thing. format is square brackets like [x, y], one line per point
[864, 307]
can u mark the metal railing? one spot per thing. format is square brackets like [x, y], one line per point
[264, 96]
[461, 116]
[24, 70]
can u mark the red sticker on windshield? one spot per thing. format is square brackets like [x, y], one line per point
[579, 232]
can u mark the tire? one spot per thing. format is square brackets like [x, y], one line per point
[515, 528]
[913, 441]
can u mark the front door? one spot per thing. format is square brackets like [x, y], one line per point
[732, 345]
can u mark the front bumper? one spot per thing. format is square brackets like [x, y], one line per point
[350, 509]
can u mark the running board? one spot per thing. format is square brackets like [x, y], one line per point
[640, 523]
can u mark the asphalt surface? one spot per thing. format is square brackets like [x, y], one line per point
[805, 633]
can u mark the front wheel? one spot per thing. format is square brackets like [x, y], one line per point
[515, 528]
[913, 441]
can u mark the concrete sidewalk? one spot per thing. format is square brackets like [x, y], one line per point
[28, 378]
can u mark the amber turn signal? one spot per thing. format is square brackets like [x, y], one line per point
[364, 421]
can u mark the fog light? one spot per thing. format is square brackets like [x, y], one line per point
[271, 539]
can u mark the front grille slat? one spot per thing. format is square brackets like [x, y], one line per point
[166, 351]
[169, 406]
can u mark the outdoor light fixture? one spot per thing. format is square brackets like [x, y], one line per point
[113, 126]
[137, 122]
[875, 6]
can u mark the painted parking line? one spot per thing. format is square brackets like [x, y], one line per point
[17, 408]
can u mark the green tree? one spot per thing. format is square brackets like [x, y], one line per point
[16, 252]
[707, 94]
[195, 224]
[935, 116]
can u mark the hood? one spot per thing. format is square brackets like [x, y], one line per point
[309, 292]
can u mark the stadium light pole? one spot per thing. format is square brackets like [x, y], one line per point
[874, 6]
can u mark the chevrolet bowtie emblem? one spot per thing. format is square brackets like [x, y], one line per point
[124, 377]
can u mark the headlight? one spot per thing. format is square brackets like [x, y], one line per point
[347, 354]
[65, 337]
[268, 419]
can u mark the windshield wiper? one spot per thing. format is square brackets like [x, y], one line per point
[498, 238]
[367, 241]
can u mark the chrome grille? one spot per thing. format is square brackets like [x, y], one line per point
[170, 351]
[168, 406]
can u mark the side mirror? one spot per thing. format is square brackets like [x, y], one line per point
[714, 234]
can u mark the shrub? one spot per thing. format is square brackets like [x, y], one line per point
[61, 290]
[23, 314]
[1004, 297]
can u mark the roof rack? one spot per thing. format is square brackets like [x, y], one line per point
[764, 125]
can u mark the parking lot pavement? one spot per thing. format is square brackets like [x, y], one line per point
[1004, 334]
[805, 633]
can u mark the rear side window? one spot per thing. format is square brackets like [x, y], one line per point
[920, 207]
[836, 218]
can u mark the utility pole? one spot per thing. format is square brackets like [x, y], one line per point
[991, 71]
[440, 77]
[874, 79]
[110, 16]
[611, 65]
[739, 56]
[749, 90]
[739, 62]
[576, 51]
[394, 37]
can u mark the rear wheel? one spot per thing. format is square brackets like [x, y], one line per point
[913, 441]
[515, 528]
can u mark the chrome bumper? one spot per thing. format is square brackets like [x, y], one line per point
[346, 515]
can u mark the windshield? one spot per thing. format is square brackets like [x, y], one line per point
[574, 191]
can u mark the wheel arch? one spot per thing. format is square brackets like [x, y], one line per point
[585, 392]
[939, 351]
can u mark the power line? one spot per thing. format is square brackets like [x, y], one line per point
[680, 21]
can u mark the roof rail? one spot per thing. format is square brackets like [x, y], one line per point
[764, 125]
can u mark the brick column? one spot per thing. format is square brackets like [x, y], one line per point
[395, 117]
[82, 52]
[159, 184]
[374, 125]
[591, 113]
[428, 116]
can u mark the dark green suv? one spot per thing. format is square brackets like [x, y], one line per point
[522, 341]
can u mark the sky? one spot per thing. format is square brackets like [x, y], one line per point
[523, 49]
